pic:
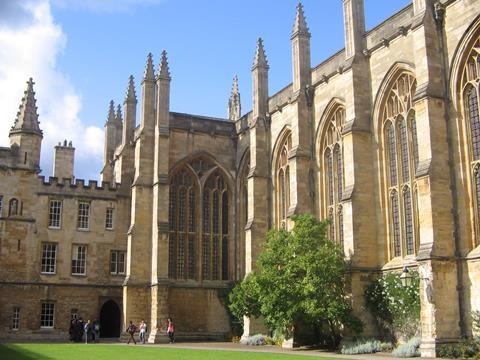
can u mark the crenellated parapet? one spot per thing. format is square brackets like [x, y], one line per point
[78, 187]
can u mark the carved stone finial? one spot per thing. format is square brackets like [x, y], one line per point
[130, 95]
[300, 26]
[163, 71]
[260, 57]
[234, 106]
[27, 116]
[149, 74]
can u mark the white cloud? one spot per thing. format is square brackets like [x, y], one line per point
[104, 5]
[32, 51]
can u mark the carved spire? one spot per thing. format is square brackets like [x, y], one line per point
[27, 116]
[130, 95]
[260, 57]
[300, 25]
[111, 112]
[163, 71]
[234, 107]
[149, 74]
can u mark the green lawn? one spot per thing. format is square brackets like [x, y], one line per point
[120, 352]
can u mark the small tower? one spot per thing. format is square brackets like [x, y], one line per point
[234, 106]
[300, 51]
[63, 161]
[118, 126]
[130, 112]
[25, 134]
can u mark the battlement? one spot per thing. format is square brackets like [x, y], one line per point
[67, 183]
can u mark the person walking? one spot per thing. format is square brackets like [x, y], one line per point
[96, 331]
[143, 330]
[131, 330]
[171, 330]
[87, 330]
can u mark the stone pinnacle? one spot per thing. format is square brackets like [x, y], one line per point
[260, 57]
[130, 95]
[163, 71]
[300, 25]
[27, 116]
[149, 74]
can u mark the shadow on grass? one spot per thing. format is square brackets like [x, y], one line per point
[14, 352]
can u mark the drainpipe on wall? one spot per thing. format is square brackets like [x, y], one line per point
[439, 15]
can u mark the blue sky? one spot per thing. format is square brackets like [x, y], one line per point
[88, 48]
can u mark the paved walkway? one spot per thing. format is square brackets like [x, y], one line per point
[226, 346]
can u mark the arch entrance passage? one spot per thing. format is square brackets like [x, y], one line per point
[110, 320]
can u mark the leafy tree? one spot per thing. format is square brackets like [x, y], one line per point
[300, 276]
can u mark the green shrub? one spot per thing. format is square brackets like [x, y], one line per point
[465, 348]
[365, 346]
[409, 349]
[396, 308]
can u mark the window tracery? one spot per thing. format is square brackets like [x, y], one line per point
[401, 162]
[199, 252]
[333, 173]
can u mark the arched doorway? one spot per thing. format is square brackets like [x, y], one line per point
[110, 320]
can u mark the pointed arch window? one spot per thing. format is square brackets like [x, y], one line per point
[199, 223]
[471, 94]
[333, 173]
[282, 182]
[400, 163]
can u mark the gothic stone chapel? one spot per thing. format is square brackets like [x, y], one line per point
[382, 138]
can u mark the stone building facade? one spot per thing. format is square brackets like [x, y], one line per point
[382, 138]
